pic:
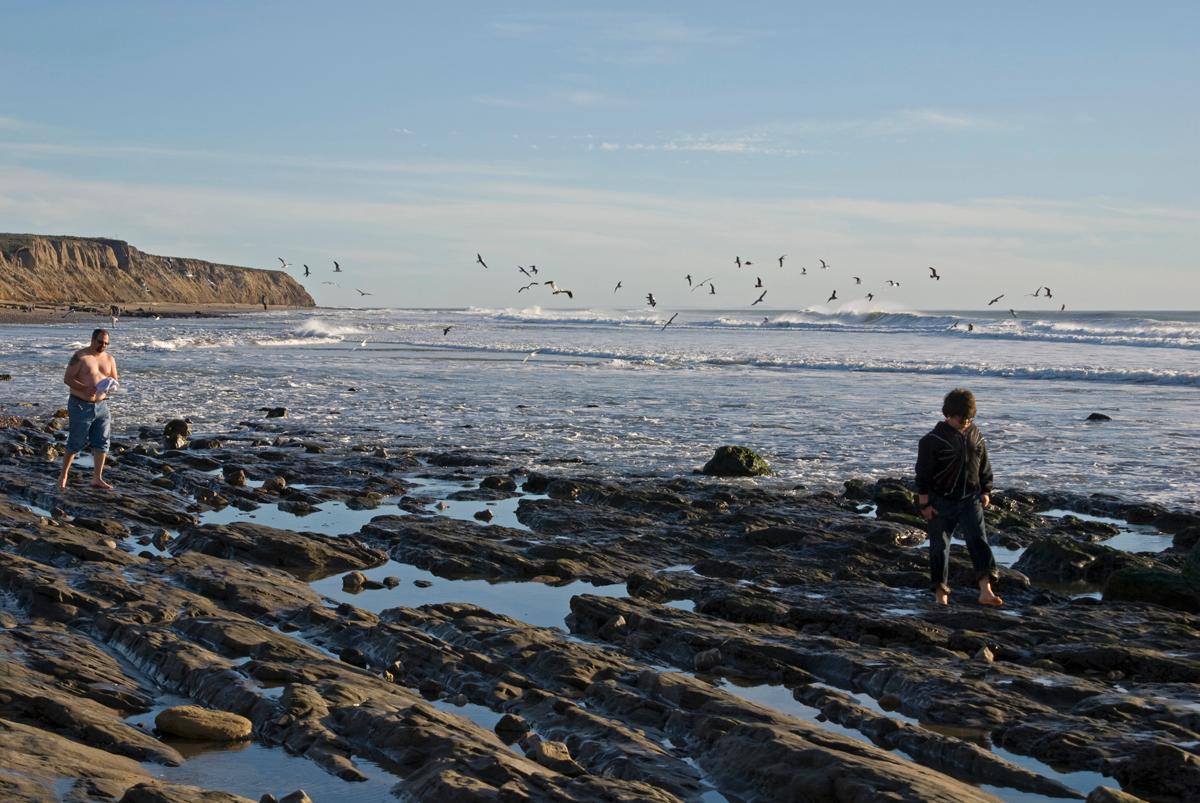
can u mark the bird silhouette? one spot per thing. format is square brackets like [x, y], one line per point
[283, 265]
[1012, 312]
[650, 300]
[747, 263]
[1036, 293]
[832, 297]
[781, 258]
[525, 287]
[527, 273]
[1062, 308]
[824, 266]
[618, 287]
[738, 261]
[712, 289]
[758, 283]
[697, 286]
[759, 299]
[933, 274]
[555, 290]
[306, 271]
[668, 323]
[533, 269]
[994, 300]
[336, 267]
[479, 259]
[803, 271]
[446, 329]
[857, 279]
[870, 296]
[689, 279]
[893, 283]
[1048, 293]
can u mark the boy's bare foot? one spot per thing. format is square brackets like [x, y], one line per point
[991, 600]
[941, 598]
[101, 484]
[62, 485]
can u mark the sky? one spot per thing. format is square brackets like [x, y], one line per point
[1011, 146]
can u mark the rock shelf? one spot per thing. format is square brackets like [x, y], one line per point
[117, 602]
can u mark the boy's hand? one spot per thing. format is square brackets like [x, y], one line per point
[986, 499]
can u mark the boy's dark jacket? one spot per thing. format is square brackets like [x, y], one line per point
[953, 464]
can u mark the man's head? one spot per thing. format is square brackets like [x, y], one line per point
[100, 339]
[959, 408]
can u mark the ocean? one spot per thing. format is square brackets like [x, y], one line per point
[824, 397]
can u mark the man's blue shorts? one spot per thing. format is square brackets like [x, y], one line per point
[90, 425]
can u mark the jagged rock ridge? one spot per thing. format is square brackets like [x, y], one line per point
[95, 270]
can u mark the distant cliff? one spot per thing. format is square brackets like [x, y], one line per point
[93, 270]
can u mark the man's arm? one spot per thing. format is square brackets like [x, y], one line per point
[71, 377]
[113, 370]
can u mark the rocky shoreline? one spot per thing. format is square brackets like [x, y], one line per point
[348, 598]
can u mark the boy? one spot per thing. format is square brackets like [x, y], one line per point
[954, 485]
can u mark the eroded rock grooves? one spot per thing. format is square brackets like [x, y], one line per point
[115, 600]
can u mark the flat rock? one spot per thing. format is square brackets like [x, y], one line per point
[203, 724]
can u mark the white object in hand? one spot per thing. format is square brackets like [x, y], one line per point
[106, 385]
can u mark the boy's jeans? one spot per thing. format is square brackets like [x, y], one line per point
[964, 516]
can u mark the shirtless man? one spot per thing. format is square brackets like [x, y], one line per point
[86, 408]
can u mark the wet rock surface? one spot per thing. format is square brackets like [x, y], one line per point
[765, 644]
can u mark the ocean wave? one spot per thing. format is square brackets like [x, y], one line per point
[321, 328]
[536, 314]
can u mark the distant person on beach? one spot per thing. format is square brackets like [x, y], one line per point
[954, 485]
[91, 375]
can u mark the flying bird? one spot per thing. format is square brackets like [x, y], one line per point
[446, 329]
[857, 279]
[933, 274]
[696, 287]
[618, 287]
[363, 292]
[738, 261]
[1063, 308]
[712, 289]
[361, 345]
[689, 279]
[1048, 293]
[994, 300]
[479, 259]
[336, 267]
[525, 287]
[747, 263]
[781, 258]
[650, 300]
[760, 298]
[306, 271]
[527, 273]
[758, 283]
[803, 271]
[832, 297]
[554, 289]
[283, 265]
[528, 356]
[533, 269]
[1012, 312]
[893, 283]
[823, 265]
[870, 296]
[668, 323]
[1036, 293]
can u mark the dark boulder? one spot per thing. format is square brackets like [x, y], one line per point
[1099, 417]
[274, 412]
[1061, 560]
[176, 433]
[736, 461]
[1169, 589]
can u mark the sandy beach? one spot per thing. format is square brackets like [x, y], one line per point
[12, 312]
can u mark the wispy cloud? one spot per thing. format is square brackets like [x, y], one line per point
[583, 97]
[14, 124]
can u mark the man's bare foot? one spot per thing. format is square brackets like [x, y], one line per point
[101, 484]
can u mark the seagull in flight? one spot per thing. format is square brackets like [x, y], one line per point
[527, 273]
[554, 290]
[832, 297]
[479, 259]
[283, 265]
[712, 289]
[533, 269]
[1012, 312]
[446, 329]
[525, 287]
[823, 265]
[650, 300]
[870, 296]
[803, 271]
[1063, 308]
[363, 292]
[994, 300]
[933, 274]
[528, 356]
[738, 261]
[1036, 293]
[336, 267]
[306, 271]
[361, 345]
[893, 283]
[1048, 294]
[696, 287]
[759, 299]
[689, 279]
[668, 323]
[781, 258]
[618, 287]
[857, 279]
[758, 284]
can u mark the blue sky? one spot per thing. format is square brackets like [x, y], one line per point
[1010, 145]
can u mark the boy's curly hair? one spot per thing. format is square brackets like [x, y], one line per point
[959, 401]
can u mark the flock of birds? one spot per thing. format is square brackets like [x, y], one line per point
[537, 282]
[532, 272]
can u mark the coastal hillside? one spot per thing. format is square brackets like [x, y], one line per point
[39, 269]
